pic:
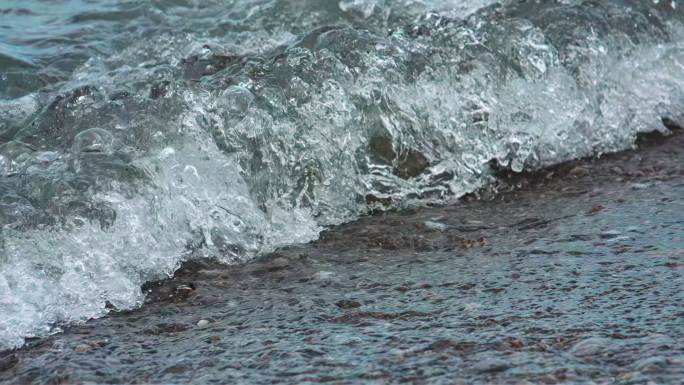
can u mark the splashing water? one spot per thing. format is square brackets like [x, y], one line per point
[137, 134]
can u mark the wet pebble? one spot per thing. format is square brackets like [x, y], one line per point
[639, 186]
[203, 323]
[81, 348]
[609, 234]
[579, 171]
[347, 304]
[597, 209]
[491, 365]
[280, 262]
[324, 275]
[435, 226]
[617, 170]
[182, 292]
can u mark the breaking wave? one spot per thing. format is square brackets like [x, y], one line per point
[135, 135]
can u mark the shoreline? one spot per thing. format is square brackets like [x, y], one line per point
[506, 289]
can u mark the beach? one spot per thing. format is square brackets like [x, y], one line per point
[341, 192]
[572, 274]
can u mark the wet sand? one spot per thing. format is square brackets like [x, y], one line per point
[570, 275]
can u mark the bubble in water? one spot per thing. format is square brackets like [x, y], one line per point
[364, 7]
[235, 101]
[93, 140]
[17, 156]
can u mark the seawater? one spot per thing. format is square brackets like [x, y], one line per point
[137, 134]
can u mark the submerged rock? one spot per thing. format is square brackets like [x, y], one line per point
[491, 365]
[347, 304]
[203, 323]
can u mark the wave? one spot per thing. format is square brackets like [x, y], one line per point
[163, 131]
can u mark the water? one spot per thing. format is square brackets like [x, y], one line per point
[137, 134]
[571, 279]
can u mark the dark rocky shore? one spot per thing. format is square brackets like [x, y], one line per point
[570, 275]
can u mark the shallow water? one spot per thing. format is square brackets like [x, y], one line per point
[137, 134]
[574, 277]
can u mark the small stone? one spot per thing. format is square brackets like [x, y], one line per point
[579, 171]
[81, 348]
[465, 243]
[280, 262]
[101, 343]
[639, 186]
[517, 344]
[203, 323]
[214, 338]
[491, 365]
[597, 209]
[324, 275]
[610, 234]
[182, 292]
[628, 376]
[375, 375]
[435, 226]
[440, 345]
[347, 304]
